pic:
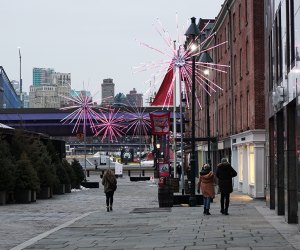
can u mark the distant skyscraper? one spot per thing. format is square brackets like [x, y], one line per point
[43, 76]
[48, 88]
[134, 99]
[108, 91]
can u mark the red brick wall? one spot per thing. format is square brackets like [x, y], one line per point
[244, 82]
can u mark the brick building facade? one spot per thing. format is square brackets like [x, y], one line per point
[236, 112]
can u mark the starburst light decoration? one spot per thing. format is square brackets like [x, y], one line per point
[110, 125]
[139, 122]
[84, 114]
[179, 60]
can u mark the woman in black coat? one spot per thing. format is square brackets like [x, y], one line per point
[225, 173]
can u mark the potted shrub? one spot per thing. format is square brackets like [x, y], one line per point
[70, 173]
[78, 172]
[62, 177]
[20, 144]
[41, 161]
[26, 180]
[7, 168]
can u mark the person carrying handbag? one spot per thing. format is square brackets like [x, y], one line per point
[225, 173]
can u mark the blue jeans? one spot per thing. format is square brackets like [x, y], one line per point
[206, 202]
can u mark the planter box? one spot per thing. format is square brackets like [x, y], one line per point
[2, 197]
[23, 196]
[45, 193]
[90, 184]
[139, 178]
[68, 188]
[60, 189]
[33, 195]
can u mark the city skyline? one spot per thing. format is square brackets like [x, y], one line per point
[91, 41]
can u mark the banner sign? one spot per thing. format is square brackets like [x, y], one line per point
[160, 123]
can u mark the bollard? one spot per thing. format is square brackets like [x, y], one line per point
[128, 172]
[88, 173]
[143, 172]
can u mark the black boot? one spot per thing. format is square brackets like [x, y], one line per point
[110, 208]
[207, 212]
[107, 208]
[222, 211]
[204, 211]
[226, 211]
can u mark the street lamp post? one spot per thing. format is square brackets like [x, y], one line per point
[192, 35]
[20, 58]
[205, 58]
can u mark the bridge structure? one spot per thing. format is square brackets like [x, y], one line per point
[48, 121]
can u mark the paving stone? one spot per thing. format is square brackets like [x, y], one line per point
[250, 225]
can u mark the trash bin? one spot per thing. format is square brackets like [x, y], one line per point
[165, 192]
[165, 196]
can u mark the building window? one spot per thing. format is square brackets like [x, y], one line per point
[292, 29]
[225, 38]
[278, 44]
[233, 26]
[241, 64]
[240, 19]
[270, 48]
[226, 120]
[240, 164]
[228, 77]
[247, 57]
[241, 113]
[251, 165]
[234, 69]
[287, 53]
[228, 35]
[230, 121]
[235, 114]
[246, 12]
[248, 110]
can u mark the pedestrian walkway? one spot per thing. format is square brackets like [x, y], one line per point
[137, 223]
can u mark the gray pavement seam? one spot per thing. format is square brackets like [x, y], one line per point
[45, 234]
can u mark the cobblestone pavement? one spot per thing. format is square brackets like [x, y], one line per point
[79, 221]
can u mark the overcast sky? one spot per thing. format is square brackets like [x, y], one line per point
[91, 39]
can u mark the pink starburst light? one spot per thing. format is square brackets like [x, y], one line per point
[179, 60]
[110, 124]
[138, 121]
[84, 113]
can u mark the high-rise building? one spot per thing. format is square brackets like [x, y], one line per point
[134, 99]
[43, 76]
[24, 97]
[108, 91]
[48, 89]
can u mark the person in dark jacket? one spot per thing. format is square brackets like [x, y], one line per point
[109, 182]
[225, 173]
